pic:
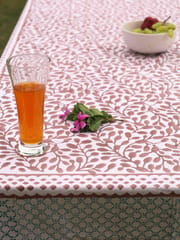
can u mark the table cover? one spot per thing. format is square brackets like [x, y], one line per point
[91, 64]
[121, 182]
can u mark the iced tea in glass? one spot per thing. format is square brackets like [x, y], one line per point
[29, 74]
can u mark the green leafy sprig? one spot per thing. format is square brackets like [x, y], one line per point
[87, 119]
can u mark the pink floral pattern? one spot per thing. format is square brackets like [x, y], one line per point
[91, 64]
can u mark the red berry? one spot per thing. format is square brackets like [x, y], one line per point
[148, 22]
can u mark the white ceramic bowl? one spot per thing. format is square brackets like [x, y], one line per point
[145, 43]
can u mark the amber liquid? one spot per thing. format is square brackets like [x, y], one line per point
[30, 106]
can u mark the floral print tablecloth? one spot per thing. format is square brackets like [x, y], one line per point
[91, 64]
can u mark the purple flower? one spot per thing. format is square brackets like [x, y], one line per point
[79, 123]
[65, 114]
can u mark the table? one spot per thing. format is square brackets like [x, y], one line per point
[121, 182]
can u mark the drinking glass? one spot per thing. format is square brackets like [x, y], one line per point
[29, 75]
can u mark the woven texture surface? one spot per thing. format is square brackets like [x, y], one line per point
[90, 219]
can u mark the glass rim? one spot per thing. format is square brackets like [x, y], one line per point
[8, 61]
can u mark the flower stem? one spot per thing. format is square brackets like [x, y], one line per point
[114, 120]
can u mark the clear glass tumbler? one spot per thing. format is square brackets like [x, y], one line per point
[29, 75]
